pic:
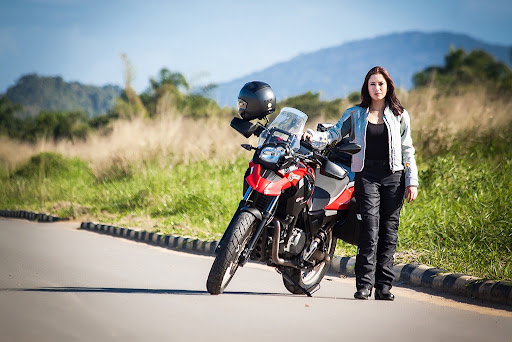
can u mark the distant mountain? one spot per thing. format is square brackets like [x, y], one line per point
[336, 72]
[37, 93]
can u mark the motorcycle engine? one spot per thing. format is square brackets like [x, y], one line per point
[296, 242]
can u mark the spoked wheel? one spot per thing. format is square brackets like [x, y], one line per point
[233, 243]
[309, 278]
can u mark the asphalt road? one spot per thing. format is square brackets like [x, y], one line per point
[58, 283]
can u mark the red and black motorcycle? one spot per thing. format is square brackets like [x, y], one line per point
[297, 202]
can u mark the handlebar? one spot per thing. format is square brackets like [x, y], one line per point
[312, 155]
[306, 144]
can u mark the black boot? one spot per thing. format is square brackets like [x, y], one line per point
[384, 294]
[363, 293]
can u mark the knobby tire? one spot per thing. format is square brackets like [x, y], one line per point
[233, 243]
[311, 280]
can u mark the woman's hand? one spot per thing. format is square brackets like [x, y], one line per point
[411, 193]
[307, 136]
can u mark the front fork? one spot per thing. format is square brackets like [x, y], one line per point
[263, 217]
[241, 204]
[263, 222]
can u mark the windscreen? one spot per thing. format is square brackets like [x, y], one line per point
[286, 127]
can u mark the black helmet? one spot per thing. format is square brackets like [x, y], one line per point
[256, 99]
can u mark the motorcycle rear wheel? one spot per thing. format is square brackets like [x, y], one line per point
[226, 262]
[309, 279]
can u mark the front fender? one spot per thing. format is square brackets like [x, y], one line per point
[255, 212]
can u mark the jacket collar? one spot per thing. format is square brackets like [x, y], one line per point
[388, 113]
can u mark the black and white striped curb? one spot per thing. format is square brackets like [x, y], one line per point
[169, 241]
[435, 278]
[29, 215]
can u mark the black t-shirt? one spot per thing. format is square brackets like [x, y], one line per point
[377, 144]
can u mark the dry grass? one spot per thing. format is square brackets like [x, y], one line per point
[171, 139]
[438, 119]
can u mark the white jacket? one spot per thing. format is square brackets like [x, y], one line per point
[401, 150]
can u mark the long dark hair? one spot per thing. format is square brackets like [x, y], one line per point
[393, 103]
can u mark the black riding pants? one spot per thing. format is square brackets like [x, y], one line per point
[380, 196]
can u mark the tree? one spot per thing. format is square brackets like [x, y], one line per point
[176, 79]
[463, 70]
[165, 96]
[9, 124]
[311, 104]
[354, 97]
[129, 105]
[171, 93]
[56, 126]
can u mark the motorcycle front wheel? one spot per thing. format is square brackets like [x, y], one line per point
[233, 243]
[309, 278]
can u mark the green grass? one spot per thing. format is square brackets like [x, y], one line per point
[461, 221]
[45, 179]
[195, 200]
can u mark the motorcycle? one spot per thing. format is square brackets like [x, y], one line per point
[297, 202]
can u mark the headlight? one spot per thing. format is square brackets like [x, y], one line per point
[271, 154]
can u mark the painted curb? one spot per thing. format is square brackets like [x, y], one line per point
[29, 215]
[438, 279]
[167, 241]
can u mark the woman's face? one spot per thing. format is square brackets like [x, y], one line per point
[377, 87]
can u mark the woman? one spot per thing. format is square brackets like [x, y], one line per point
[385, 171]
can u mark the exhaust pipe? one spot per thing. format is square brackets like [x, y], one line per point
[275, 246]
[318, 255]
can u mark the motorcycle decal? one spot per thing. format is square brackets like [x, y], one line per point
[287, 170]
[293, 176]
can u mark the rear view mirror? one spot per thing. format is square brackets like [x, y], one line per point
[243, 127]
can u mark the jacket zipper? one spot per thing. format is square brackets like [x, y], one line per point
[364, 138]
[390, 142]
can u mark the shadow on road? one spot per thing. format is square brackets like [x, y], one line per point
[71, 289]
[67, 289]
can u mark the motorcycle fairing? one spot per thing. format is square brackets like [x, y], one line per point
[330, 193]
[342, 202]
[274, 184]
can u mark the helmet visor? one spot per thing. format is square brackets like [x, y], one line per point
[242, 106]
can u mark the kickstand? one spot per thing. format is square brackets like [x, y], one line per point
[291, 280]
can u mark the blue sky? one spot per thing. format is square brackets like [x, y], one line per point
[212, 41]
